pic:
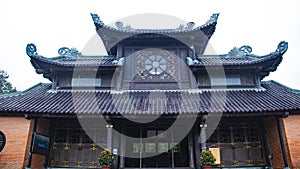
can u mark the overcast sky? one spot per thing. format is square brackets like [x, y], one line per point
[53, 24]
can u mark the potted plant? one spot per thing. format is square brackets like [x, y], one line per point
[106, 159]
[207, 159]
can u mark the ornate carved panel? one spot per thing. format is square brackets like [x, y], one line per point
[165, 67]
[155, 64]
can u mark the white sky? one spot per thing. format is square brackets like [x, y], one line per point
[53, 24]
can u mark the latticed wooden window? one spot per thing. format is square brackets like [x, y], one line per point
[225, 136]
[214, 137]
[74, 136]
[252, 134]
[73, 147]
[86, 138]
[61, 135]
[240, 143]
[238, 135]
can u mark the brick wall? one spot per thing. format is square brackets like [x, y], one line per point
[16, 130]
[292, 129]
[274, 143]
[28, 143]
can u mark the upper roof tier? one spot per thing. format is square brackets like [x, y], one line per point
[196, 37]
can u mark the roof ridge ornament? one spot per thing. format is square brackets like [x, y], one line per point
[31, 50]
[67, 52]
[189, 26]
[97, 22]
[120, 26]
[243, 51]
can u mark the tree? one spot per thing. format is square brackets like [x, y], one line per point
[5, 87]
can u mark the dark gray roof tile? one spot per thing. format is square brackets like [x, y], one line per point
[41, 99]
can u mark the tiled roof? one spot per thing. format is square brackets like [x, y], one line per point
[78, 61]
[217, 60]
[41, 99]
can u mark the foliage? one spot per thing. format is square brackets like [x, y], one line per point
[106, 158]
[207, 158]
[5, 87]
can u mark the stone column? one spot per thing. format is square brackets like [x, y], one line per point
[203, 127]
[109, 137]
[203, 136]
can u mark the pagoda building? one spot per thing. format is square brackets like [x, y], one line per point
[155, 101]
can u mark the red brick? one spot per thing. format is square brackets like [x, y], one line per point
[16, 130]
[292, 129]
[274, 143]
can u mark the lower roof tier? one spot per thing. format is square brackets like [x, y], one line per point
[40, 99]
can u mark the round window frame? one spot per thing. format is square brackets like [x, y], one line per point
[161, 68]
[3, 142]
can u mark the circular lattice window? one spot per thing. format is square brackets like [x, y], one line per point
[155, 64]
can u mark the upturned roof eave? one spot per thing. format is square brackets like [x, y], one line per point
[263, 64]
[111, 36]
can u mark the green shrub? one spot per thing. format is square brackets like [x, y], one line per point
[106, 158]
[207, 158]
